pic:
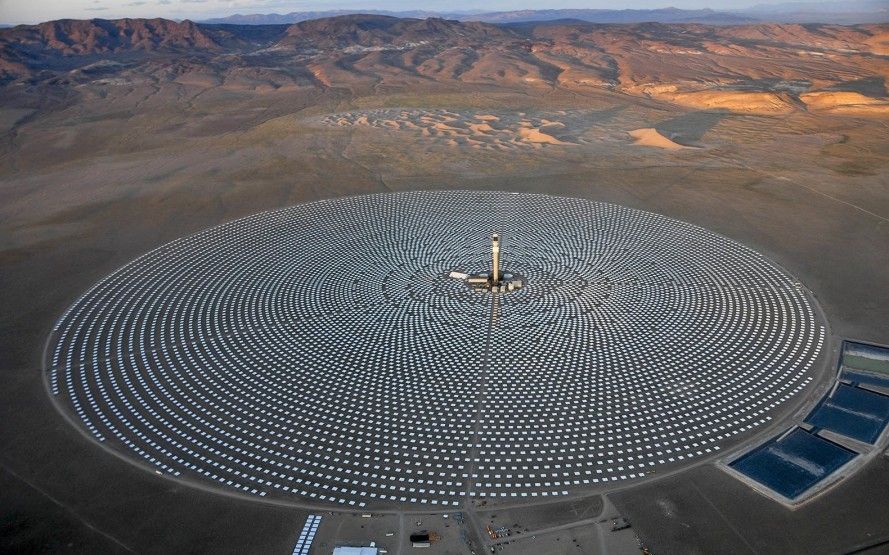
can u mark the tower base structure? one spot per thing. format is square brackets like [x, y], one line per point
[495, 281]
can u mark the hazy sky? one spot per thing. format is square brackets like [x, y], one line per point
[32, 11]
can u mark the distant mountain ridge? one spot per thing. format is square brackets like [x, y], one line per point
[844, 13]
[850, 12]
[297, 17]
[664, 15]
[848, 6]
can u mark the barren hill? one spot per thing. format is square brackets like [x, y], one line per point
[75, 37]
[378, 30]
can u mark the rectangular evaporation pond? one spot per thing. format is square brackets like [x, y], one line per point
[864, 378]
[794, 463]
[865, 358]
[853, 412]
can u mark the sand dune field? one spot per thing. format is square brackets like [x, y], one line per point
[471, 129]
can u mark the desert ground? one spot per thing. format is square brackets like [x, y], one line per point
[774, 136]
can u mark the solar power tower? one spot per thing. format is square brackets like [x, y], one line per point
[495, 250]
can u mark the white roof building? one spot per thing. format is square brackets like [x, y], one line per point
[347, 550]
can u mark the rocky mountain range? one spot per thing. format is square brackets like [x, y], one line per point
[845, 12]
[751, 68]
[662, 15]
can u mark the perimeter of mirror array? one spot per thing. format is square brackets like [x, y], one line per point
[321, 353]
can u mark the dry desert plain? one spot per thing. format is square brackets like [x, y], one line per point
[120, 136]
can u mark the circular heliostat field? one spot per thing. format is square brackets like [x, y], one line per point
[322, 352]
